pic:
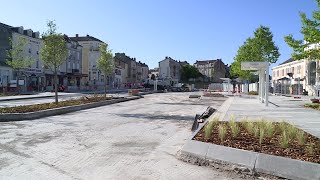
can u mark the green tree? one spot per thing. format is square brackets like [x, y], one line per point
[311, 35]
[260, 47]
[105, 63]
[54, 52]
[188, 72]
[17, 58]
[153, 77]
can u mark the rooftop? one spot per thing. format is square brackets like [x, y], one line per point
[202, 62]
[85, 38]
[287, 61]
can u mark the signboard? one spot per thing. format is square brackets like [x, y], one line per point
[33, 70]
[254, 65]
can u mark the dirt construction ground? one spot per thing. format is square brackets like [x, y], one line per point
[132, 140]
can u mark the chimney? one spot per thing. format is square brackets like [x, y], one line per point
[77, 35]
[87, 35]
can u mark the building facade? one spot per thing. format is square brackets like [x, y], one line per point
[144, 71]
[212, 70]
[90, 56]
[154, 72]
[32, 78]
[169, 70]
[121, 69]
[130, 74]
[5, 70]
[70, 71]
[293, 75]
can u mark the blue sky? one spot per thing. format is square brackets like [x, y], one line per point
[152, 29]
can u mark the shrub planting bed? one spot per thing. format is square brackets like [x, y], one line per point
[213, 95]
[275, 138]
[313, 106]
[44, 106]
[253, 93]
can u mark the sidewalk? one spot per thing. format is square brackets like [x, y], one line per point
[51, 94]
[280, 108]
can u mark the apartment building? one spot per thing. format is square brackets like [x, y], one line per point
[70, 71]
[212, 70]
[90, 55]
[32, 77]
[121, 72]
[169, 70]
[288, 75]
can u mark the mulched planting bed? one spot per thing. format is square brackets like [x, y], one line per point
[213, 95]
[313, 106]
[310, 151]
[44, 106]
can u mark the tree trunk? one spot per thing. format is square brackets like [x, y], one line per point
[18, 87]
[56, 86]
[105, 85]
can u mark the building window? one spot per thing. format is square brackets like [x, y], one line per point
[278, 73]
[292, 70]
[273, 74]
[78, 55]
[69, 64]
[282, 72]
[37, 64]
[299, 69]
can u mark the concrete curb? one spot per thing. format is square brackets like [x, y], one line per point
[255, 162]
[57, 111]
[22, 98]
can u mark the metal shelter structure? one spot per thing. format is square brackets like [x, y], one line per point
[263, 71]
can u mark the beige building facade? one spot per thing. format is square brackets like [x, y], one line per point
[294, 75]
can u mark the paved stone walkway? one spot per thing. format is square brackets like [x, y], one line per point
[131, 140]
[280, 108]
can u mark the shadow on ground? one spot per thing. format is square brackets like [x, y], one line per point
[155, 117]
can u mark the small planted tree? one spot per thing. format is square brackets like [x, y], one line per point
[17, 58]
[54, 52]
[105, 64]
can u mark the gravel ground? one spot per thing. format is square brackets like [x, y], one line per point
[131, 140]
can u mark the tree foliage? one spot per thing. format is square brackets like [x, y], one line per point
[311, 35]
[153, 77]
[105, 63]
[260, 47]
[18, 59]
[189, 71]
[54, 52]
